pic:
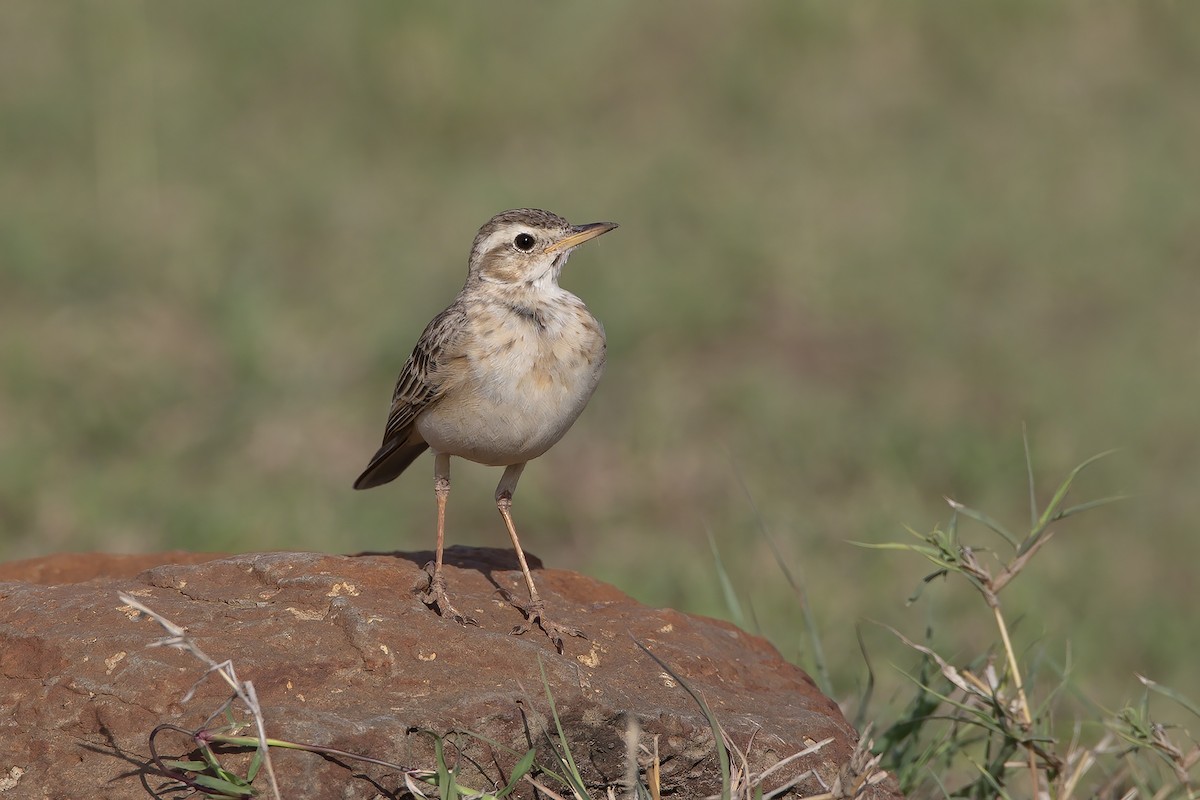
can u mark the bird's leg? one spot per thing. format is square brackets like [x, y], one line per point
[435, 594]
[534, 612]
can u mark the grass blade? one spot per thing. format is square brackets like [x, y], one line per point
[1169, 693]
[574, 779]
[864, 702]
[223, 787]
[447, 790]
[1088, 506]
[518, 772]
[985, 520]
[1033, 512]
[731, 599]
[718, 731]
[820, 665]
[1048, 515]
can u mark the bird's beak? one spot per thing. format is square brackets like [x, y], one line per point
[580, 234]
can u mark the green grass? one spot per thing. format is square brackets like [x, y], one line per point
[859, 248]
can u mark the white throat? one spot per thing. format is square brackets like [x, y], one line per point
[548, 279]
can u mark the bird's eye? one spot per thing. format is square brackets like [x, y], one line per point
[524, 242]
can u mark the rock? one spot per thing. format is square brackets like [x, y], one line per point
[343, 654]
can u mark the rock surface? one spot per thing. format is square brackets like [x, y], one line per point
[343, 654]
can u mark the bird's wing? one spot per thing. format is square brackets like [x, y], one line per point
[423, 381]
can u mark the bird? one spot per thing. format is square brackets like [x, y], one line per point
[497, 378]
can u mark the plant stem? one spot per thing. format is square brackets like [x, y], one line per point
[1022, 700]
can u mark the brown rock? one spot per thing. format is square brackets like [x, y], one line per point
[343, 654]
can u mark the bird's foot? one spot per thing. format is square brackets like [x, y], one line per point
[436, 598]
[535, 615]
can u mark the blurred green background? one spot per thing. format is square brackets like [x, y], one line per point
[860, 246]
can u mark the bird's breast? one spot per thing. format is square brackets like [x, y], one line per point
[525, 379]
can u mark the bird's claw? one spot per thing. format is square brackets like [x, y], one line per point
[535, 615]
[436, 598]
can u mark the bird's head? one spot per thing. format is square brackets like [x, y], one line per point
[527, 246]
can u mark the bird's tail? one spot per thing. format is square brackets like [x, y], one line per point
[392, 459]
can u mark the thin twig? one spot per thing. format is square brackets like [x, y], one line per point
[179, 639]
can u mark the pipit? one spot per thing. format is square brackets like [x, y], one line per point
[497, 378]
